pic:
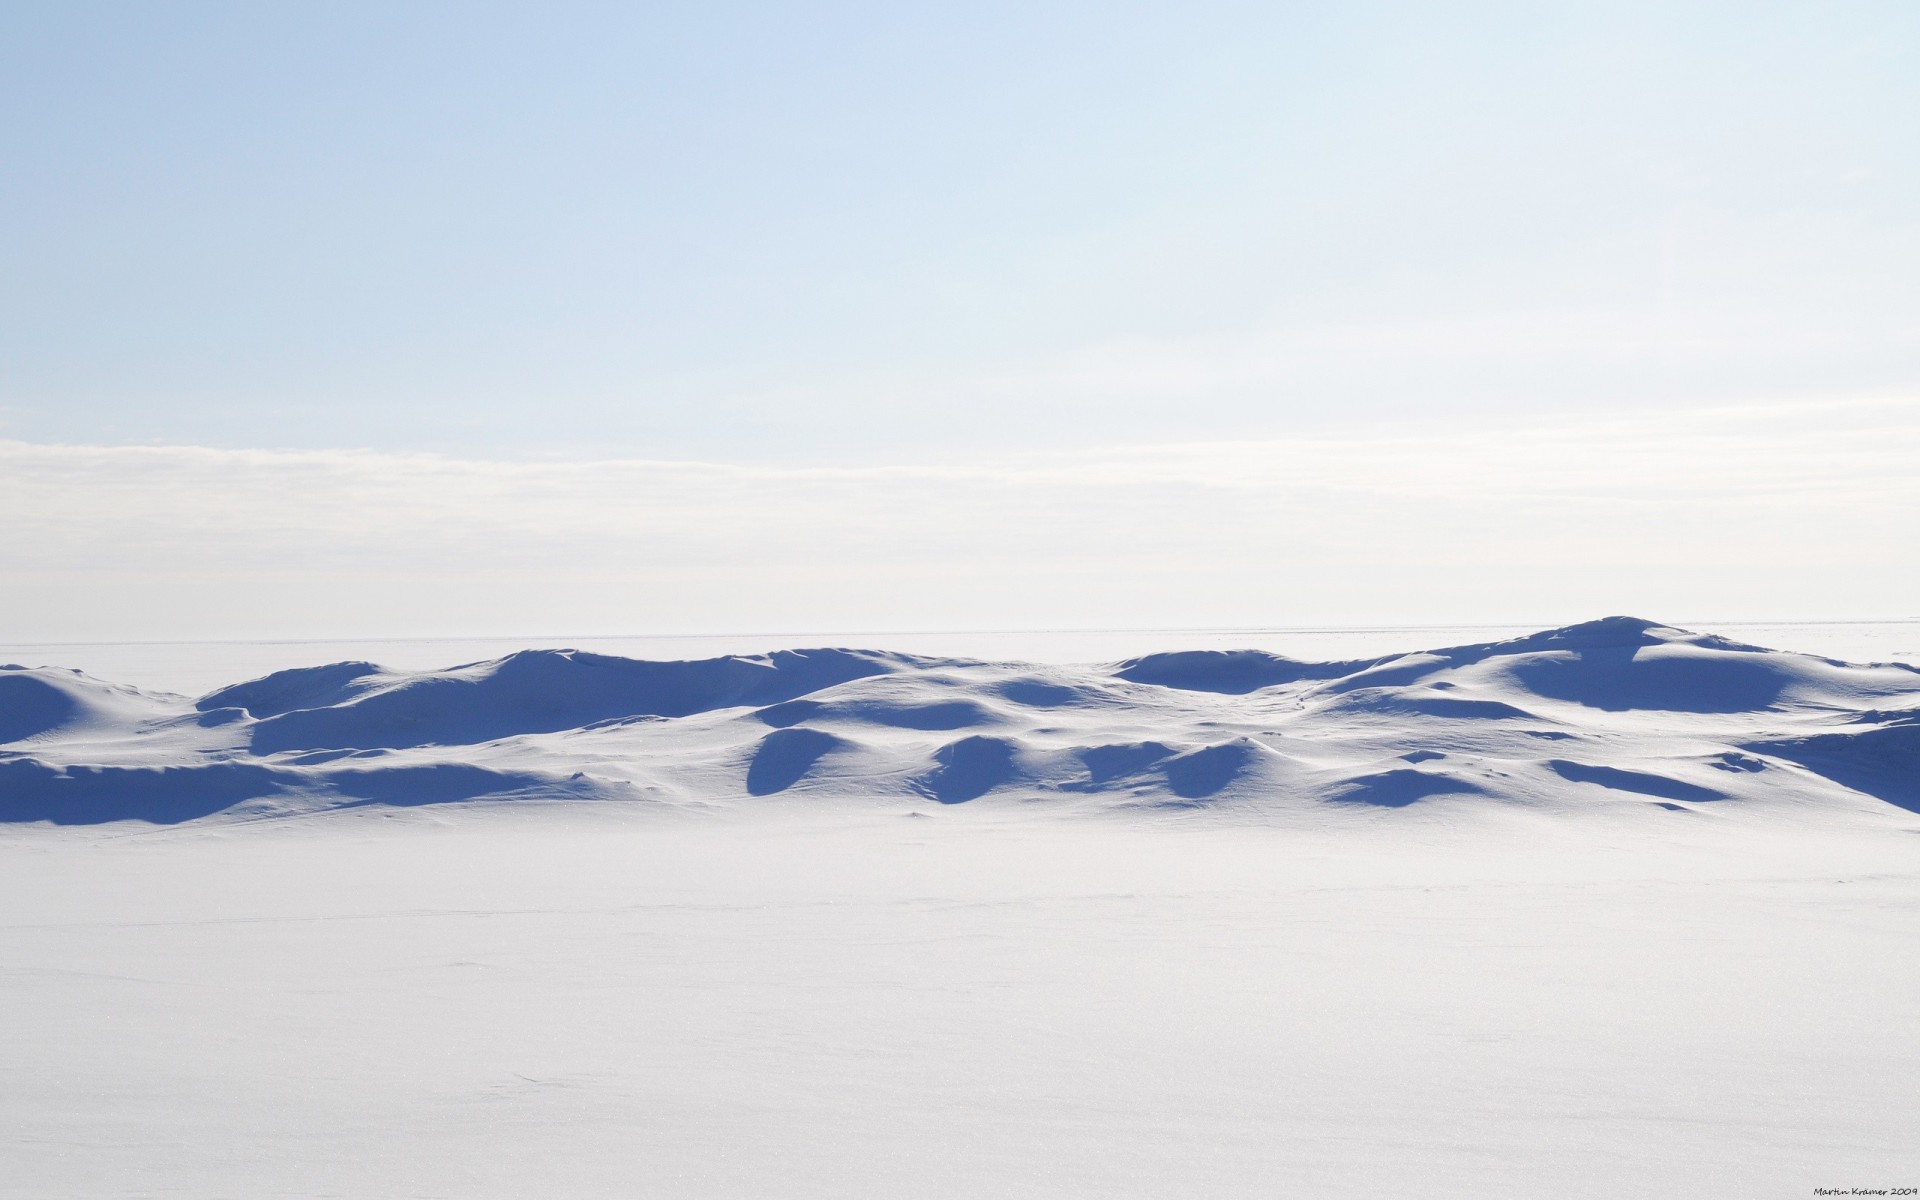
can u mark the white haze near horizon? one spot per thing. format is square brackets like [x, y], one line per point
[485, 320]
[1759, 513]
[436, 331]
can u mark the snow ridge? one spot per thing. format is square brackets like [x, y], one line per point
[1619, 711]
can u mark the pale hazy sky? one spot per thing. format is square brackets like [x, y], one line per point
[844, 250]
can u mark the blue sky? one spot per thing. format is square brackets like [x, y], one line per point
[368, 320]
[846, 233]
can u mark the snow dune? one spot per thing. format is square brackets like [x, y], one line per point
[1611, 910]
[1619, 711]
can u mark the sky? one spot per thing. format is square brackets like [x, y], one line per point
[984, 316]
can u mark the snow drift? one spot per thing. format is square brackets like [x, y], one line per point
[1619, 711]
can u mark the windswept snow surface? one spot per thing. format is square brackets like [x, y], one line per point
[1614, 909]
[1612, 712]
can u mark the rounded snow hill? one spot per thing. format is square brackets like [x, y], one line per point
[538, 691]
[42, 703]
[1619, 711]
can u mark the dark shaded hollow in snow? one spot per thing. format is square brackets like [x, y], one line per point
[1619, 711]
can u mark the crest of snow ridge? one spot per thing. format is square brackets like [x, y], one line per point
[1513, 720]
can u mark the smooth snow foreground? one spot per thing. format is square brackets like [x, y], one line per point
[1608, 910]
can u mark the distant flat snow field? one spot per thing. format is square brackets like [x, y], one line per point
[1611, 910]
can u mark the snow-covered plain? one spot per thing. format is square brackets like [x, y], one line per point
[1607, 910]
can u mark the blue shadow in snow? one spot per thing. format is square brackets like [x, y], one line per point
[1618, 679]
[30, 706]
[1881, 760]
[1640, 782]
[1207, 771]
[938, 715]
[31, 790]
[539, 691]
[1105, 764]
[1400, 787]
[1227, 672]
[967, 769]
[785, 756]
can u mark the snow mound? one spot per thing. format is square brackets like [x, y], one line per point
[1876, 753]
[969, 768]
[1398, 787]
[40, 703]
[302, 687]
[786, 756]
[1620, 715]
[1228, 672]
[543, 691]
[31, 790]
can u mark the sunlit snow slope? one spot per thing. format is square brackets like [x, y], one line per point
[1612, 712]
